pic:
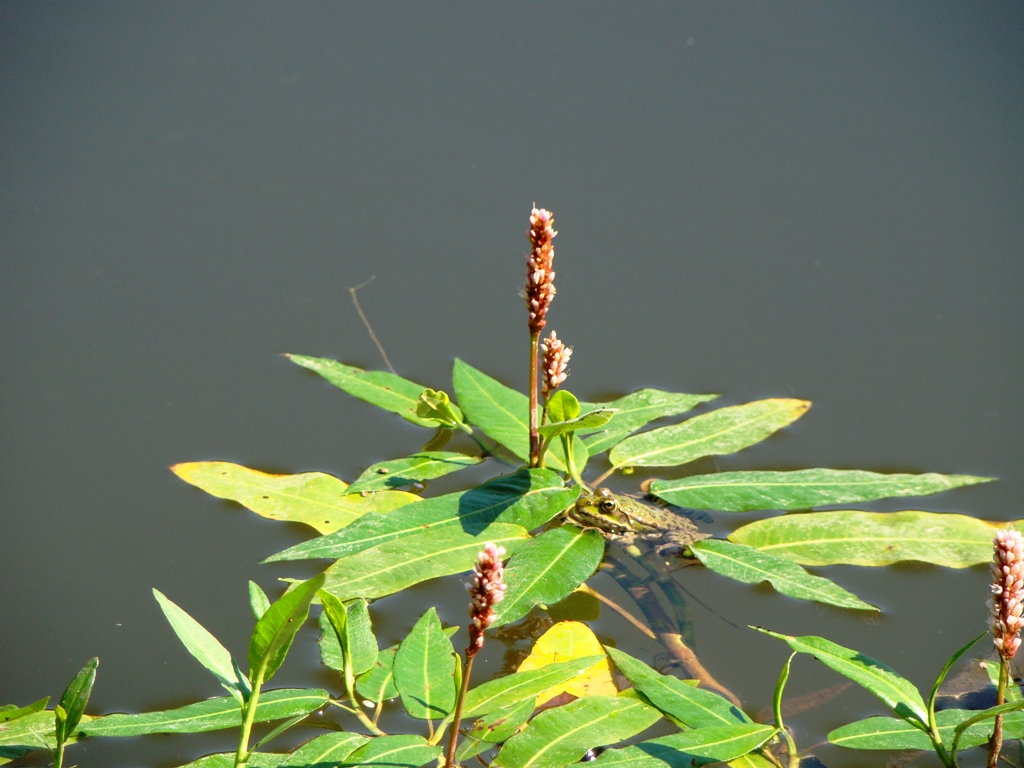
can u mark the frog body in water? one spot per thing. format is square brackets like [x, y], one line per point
[624, 519]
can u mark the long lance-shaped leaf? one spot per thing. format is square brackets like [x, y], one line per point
[209, 715]
[397, 473]
[872, 538]
[32, 732]
[560, 736]
[529, 497]
[317, 499]
[752, 566]
[547, 568]
[691, 706]
[801, 489]
[381, 388]
[273, 634]
[634, 411]
[425, 670]
[394, 565]
[10, 712]
[712, 742]
[892, 733]
[511, 689]
[74, 700]
[726, 430]
[881, 680]
[227, 760]
[204, 647]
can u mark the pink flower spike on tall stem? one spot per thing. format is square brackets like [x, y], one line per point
[486, 590]
[1007, 592]
[555, 364]
[540, 276]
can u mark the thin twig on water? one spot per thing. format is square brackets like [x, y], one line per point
[366, 322]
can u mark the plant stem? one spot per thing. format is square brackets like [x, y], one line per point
[453, 739]
[534, 434]
[995, 744]
[249, 715]
[59, 760]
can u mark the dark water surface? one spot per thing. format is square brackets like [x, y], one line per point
[821, 200]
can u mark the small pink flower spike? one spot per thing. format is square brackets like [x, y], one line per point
[1007, 591]
[486, 590]
[556, 363]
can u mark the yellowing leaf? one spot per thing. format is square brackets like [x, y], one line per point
[571, 640]
[314, 498]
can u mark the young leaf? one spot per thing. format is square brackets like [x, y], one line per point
[394, 565]
[881, 680]
[752, 566]
[890, 733]
[872, 538]
[524, 685]
[406, 751]
[563, 735]
[360, 639]
[547, 568]
[10, 712]
[314, 498]
[274, 633]
[336, 614]
[412, 469]
[529, 497]
[726, 430]
[585, 423]
[563, 406]
[634, 411]
[425, 670]
[380, 388]
[209, 715]
[74, 700]
[258, 600]
[694, 707]
[205, 648]
[802, 489]
[435, 406]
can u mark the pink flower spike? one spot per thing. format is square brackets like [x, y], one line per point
[486, 590]
[1007, 591]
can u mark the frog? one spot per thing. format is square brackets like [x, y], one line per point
[624, 519]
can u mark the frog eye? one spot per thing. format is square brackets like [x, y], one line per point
[608, 506]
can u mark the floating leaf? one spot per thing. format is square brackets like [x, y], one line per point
[227, 760]
[529, 497]
[314, 498]
[525, 684]
[563, 735]
[572, 640]
[713, 742]
[425, 670]
[381, 388]
[206, 648]
[752, 566]
[497, 726]
[892, 733]
[726, 430]
[412, 469]
[873, 538]
[405, 751]
[274, 632]
[394, 565]
[209, 715]
[802, 489]
[10, 712]
[895, 690]
[32, 732]
[691, 706]
[634, 411]
[329, 749]
[547, 569]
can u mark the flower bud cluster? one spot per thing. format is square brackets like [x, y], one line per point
[485, 591]
[556, 363]
[540, 276]
[1007, 591]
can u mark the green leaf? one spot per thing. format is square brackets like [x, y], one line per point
[872, 538]
[752, 566]
[227, 760]
[563, 406]
[329, 749]
[890, 733]
[209, 715]
[406, 751]
[32, 732]
[500, 724]
[505, 691]
[381, 388]
[563, 735]
[881, 680]
[75, 698]
[547, 569]
[726, 430]
[949, 664]
[634, 411]
[274, 632]
[691, 706]
[713, 742]
[425, 670]
[394, 565]
[435, 406]
[412, 469]
[314, 498]
[10, 712]
[529, 497]
[502, 413]
[360, 640]
[204, 647]
[258, 600]
[378, 683]
[585, 423]
[802, 489]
